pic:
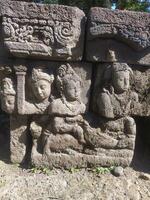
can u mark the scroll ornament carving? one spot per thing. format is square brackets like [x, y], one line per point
[43, 32]
[12, 31]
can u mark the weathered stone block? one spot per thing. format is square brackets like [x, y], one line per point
[121, 90]
[125, 32]
[77, 144]
[45, 31]
[31, 87]
[52, 102]
[18, 138]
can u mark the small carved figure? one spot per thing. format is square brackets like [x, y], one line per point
[67, 111]
[7, 95]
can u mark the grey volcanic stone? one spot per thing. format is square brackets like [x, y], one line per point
[46, 31]
[118, 171]
[137, 95]
[18, 138]
[121, 31]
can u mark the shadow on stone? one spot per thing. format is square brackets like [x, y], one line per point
[142, 147]
[4, 137]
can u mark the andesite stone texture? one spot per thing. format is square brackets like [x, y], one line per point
[64, 110]
[125, 32]
[19, 138]
[44, 31]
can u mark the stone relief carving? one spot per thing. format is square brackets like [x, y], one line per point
[120, 31]
[7, 90]
[65, 113]
[52, 102]
[41, 90]
[116, 98]
[66, 132]
[49, 36]
[8, 95]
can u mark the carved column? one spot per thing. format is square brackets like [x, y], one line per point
[21, 73]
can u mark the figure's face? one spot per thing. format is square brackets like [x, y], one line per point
[8, 103]
[72, 90]
[42, 90]
[121, 81]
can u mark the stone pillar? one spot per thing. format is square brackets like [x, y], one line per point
[20, 72]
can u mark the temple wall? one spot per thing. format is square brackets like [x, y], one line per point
[73, 83]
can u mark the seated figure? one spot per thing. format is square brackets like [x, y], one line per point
[116, 99]
[66, 111]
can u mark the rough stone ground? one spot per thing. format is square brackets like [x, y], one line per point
[22, 184]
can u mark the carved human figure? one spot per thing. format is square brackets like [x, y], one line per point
[7, 95]
[67, 110]
[116, 98]
[41, 87]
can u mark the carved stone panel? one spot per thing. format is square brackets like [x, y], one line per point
[126, 33]
[66, 113]
[121, 90]
[31, 88]
[46, 31]
[69, 141]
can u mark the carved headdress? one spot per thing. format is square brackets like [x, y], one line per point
[7, 87]
[117, 67]
[65, 74]
[38, 74]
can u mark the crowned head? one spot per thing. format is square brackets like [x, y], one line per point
[68, 83]
[121, 73]
[41, 84]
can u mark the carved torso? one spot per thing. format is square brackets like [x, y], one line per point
[60, 107]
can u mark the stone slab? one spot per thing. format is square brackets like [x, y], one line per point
[81, 160]
[52, 32]
[125, 32]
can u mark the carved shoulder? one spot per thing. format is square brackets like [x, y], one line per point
[56, 107]
[104, 105]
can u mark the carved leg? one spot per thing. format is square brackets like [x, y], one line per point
[130, 126]
[78, 133]
[60, 126]
[46, 142]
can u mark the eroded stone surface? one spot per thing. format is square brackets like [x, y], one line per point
[18, 138]
[121, 90]
[121, 31]
[31, 87]
[61, 184]
[73, 114]
[46, 31]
